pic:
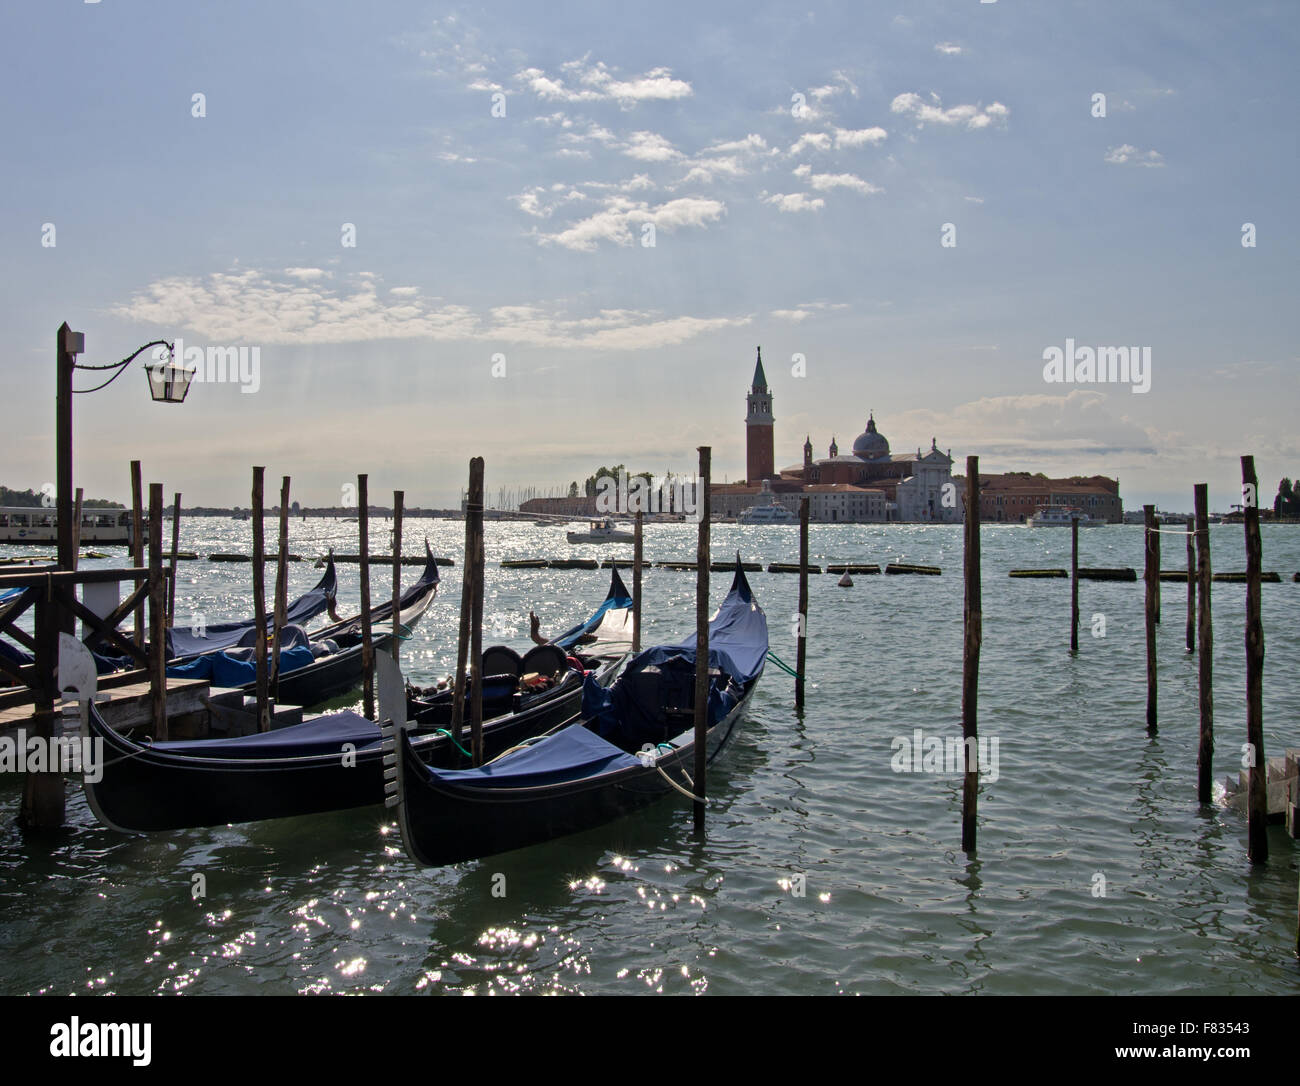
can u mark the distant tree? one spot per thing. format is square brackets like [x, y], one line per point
[1287, 502]
[573, 489]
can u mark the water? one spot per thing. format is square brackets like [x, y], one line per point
[889, 904]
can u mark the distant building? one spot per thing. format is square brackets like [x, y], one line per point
[1012, 497]
[868, 485]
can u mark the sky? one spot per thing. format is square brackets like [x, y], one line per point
[553, 236]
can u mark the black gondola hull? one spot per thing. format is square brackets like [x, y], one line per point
[445, 823]
[148, 790]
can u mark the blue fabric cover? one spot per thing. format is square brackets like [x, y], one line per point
[618, 597]
[570, 755]
[181, 641]
[237, 667]
[324, 735]
[630, 712]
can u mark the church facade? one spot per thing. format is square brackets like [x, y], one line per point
[870, 484]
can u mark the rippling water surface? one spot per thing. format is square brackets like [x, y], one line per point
[889, 904]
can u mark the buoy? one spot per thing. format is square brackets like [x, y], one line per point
[846, 581]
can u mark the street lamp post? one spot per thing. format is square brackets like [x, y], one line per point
[168, 383]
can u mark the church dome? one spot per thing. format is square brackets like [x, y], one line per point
[871, 444]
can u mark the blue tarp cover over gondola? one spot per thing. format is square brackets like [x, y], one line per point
[569, 755]
[628, 712]
[187, 641]
[618, 597]
[324, 735]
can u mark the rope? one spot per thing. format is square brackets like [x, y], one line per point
[444, 731]
[1169, 531]
[782, 664]
[678, 787]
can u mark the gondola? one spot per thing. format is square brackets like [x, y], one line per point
[316, 666]
[331, 763]
[633, 743]
[185, 643]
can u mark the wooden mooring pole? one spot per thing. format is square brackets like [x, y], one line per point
[399, 497]
[801, 619]
[474, 524]
[281, 583]
[43, 801]
[137, 542]
[973, 636]
[176, 543]
[1191, 591]
[466, 601]
[259, 599]
[1205, 662]
[367, 636]
[157, 615]
[1151, 575]
[702, 638]
[637, 558]
[1074, 584]
[1257, 798]
[76, 527]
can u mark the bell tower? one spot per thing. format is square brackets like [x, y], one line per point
[760, 460]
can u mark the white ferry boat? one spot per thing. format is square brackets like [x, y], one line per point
[601, 531]
[38, 524]
[774, 513]
[1061, 516]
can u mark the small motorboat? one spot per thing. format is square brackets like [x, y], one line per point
[601, 531]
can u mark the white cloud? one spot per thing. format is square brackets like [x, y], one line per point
[824, 182]
[932, 112]
[650, 147]
[818, 141]
[751, 142]
[948, 49]
[1128, 155]
[306, 275]
[794, 201]
[597, 83]
[806, 309]
[617, 220]
[252, 307]
[973, 199]
[404, 292]
[859, 137]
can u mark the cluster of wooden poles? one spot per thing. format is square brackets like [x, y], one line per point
[1199, 623]
[470, 646]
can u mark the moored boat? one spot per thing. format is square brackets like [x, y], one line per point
[1061, 516]
[633, 743]
[333, 762]
[772, 513]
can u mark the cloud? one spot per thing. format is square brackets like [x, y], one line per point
[859, 137]
[932, 112]
[794, 201]
[404, 292]
[973, 199]
[818, 141]
[807, 309]
[650, 147]
[824, 182]
[948, 49]
[751, 142]
[597, 83]
[1128, 155]
[253, 307]
[306, 275]
[616, 221]
[1024, 429]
